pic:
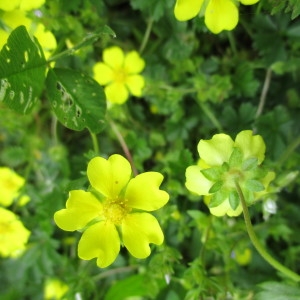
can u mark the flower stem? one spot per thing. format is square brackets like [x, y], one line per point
[95, 142]
[256, 243]
[210, 115]
[146, 35]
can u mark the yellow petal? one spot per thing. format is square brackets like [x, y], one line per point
[251, 145]
[8, 5]
[221, 15]
[16, 18]
[113, 57]
[101, 240]
[116, 93]
[110, 176]
[187, 9]
[133, 63]
[82, 207]
[217, 150]
[143, 192]
[103, 73]
[135, 84]
[225, 208]
[196, 182]
[248, 2]
[138, 230]
[31, 4]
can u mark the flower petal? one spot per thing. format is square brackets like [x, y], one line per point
[100, 240]
[103, 73]
[217, 150]
[116, 93]
[81, 208]
[248, 2]
[113, 57]
[135, 84]
[187, 9]
[196, 182]
[251, 145]
[138, 230]
[221, 15]
[110, 176]
[225, 208]
[133, 63]
[143, 192]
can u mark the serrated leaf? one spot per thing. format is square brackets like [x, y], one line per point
[254, 185]
[77, 99]
[22, 71]
[236, 157]
[218, 198]
[234, 199]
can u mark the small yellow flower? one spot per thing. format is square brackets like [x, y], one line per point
[112, 212]
[9, 5]
[13, 234]
[243, 256]
[223, 163]
[10, 185]
[119, 73]
[219, 14]
[55, 289]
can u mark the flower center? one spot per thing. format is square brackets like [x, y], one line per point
[5, 227]
[120, 76]
[233, 175]
[115, 210]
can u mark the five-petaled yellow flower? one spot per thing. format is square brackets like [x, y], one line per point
[219, 14]
[224, 163]
[119, 73]
[112, 212]
[10, 185]
[55, 289]
[13, 234]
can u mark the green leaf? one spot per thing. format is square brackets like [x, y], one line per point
[277, 291]
[249, 164]
[77, 100]
[218, 198]
[135, 285]
[254, 185]
[236, 157]
[234, 199]
[216, 187]
[213, 174]
[22, 71]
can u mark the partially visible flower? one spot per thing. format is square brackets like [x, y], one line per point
[15, 18]
[119, 73]
[13, 234]
[112, 212]
[55, 289]
[9, 5]
[224, 163]
[243, 256]
[219, 14]
[10, 185]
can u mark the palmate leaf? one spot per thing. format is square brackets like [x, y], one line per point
[77, 100]
[22, 71]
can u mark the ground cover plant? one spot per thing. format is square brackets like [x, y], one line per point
[149, 149]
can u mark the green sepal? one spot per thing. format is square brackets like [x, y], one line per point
[236, 157]
[212, 174]
[254, 185]
[218, 198]
[216, 187]
[22, 71]
[249, 164]
[77, 99]
[234, 199]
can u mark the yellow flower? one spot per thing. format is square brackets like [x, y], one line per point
[13, 19]
[10, 185]
[9, 5]
[112, 212]
[55, 289]
[223, 163]
[119, 72]
[219, 14]
[13, 234]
